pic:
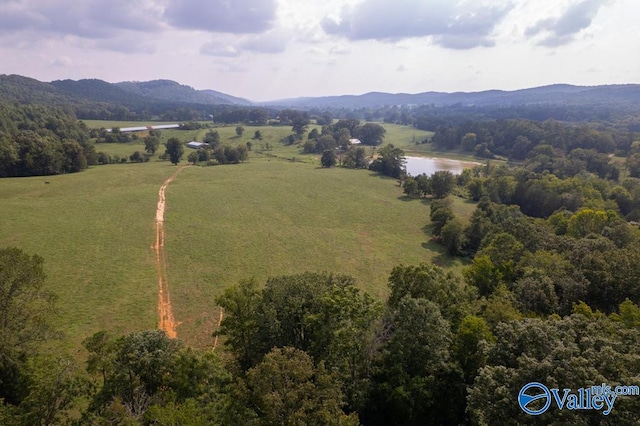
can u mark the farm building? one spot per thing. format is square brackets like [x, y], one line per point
[143, 128]
[196, 145]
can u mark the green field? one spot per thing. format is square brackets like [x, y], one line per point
[406, 137]
[270, 144]
[266, 217]
[94, 230]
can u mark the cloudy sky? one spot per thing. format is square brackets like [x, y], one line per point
[273, 49]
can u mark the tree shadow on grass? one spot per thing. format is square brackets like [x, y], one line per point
[442, 259]
[428, 230]
[407, 198]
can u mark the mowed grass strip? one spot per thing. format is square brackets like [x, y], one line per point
[266, 218]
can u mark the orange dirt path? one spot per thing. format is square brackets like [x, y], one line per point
[215, 341]
[166, 320]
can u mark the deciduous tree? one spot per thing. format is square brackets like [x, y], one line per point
[174, 150]
[193, 157]
[390, 162]
[151, 144]
[442, 183]
[25, 309]
[372, 134]
[287, 389]
[328, 158]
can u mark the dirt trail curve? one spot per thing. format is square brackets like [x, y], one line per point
[220, 316]
[166, 320]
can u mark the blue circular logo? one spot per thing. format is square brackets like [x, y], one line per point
[525, 399]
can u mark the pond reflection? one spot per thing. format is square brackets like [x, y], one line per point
[419, 165]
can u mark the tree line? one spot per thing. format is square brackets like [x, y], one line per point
[546, 242]
[37, 141]
[519, 140]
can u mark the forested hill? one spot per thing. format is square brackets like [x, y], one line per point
[25, 90]
[171, 91]
[98, 99]
[97, 90]
[558, 94]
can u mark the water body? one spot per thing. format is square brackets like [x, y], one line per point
[419, 165]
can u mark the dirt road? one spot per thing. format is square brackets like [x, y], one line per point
[220, 316]
[166, 320]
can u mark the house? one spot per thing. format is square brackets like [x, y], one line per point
[354, 141]
[196, 145]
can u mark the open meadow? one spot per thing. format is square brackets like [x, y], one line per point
[267, 217]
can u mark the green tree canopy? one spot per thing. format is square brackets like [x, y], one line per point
[287, 389]
[442, 183]
[371, 134]
[151, 144]
[25, 309]
[175, 150]
[390, 162]
[328, 158]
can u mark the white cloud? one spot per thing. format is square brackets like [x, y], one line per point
[89, 18]
[214, 48]
[340, 50]
[561, 30]
[451, 24]
[61, 61]
[226, 16]
[270, 42]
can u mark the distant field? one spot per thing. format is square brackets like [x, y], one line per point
[401, 136]
[269, 145]
[267, 217]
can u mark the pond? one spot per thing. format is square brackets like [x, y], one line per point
[419, 165]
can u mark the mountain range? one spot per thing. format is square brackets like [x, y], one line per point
[558, 94]
[158, 94]
[16, 88]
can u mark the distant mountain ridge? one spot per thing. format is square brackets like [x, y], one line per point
[98, 99]
[157, 96]
[168, 90]
[17, 88]
[549, 95]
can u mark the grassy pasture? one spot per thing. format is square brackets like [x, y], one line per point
[270, 217]
[267, 217]
[269, 144]
[404, 137]
[94, 229]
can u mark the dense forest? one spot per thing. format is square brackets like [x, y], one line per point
[41, 140]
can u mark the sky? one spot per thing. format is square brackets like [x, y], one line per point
[274, 49]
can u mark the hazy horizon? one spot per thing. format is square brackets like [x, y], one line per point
[265, 50]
